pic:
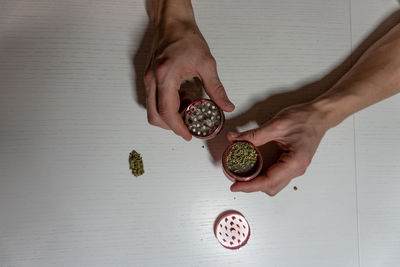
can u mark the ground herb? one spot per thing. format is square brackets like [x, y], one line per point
[136, 163]
[242, 158]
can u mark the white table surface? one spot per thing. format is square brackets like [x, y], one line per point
[70, 113]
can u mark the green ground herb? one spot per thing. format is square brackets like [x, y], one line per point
[136, 163]
[241, 158]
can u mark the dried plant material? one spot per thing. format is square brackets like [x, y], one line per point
[136, 163]
[242, 158]
[295, 188]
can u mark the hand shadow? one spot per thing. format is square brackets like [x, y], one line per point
[264, 110]
[139, 62]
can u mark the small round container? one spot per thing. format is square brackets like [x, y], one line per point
[204, 118]
[248, 175]
[231, 229]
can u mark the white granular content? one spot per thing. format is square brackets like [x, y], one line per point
[203, 118]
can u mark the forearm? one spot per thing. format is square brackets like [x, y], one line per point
[166, 11]
[374, 77]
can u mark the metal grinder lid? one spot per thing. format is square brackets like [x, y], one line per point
[232, 230]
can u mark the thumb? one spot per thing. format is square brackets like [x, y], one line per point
[214, 87]
[257, 137]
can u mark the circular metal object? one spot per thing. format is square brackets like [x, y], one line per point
[248, 176]
[204, 118]
[232, 230]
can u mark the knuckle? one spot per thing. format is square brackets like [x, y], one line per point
[271, 192]
[153, 120]
[147, 77]
[163, 110]
[251, 135]
[294, 165]
[279, 124]
[161, 68]
[160, 72]
[303, 162]
[209, 60]
[299, 166]
[271, 188]
[302, 171]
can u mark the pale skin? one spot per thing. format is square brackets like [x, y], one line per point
[298, 129]
[179, 52]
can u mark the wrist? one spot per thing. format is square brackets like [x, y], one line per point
[167, 12]
[334, 107]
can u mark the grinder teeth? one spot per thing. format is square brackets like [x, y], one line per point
[203, 118]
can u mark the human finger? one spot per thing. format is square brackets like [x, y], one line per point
[151, 101]
[168, 106]
[213, 86]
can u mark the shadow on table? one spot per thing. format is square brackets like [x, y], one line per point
[139, 62]
[265, 109]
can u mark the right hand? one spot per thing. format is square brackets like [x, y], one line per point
[297, 130]
[179, 52]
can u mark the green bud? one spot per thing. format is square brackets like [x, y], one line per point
[136, 163]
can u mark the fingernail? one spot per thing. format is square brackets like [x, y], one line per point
[234, 135]
[228, 102]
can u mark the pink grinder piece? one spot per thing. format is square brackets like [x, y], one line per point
[204, 118]
[232, 230]
[248, 176]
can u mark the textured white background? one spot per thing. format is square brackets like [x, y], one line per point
[70, 113]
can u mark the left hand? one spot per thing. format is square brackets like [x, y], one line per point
[179, 52]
